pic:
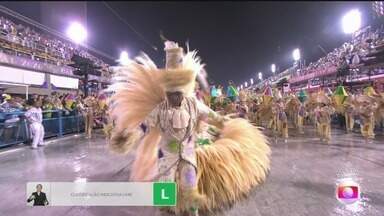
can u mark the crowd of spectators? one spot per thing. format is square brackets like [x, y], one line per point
[69, 104]
[352, 53]
[36, 42]
[69, 109]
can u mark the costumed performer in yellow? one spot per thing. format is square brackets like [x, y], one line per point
[323, 116]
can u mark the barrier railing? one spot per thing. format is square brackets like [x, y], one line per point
[14, 128]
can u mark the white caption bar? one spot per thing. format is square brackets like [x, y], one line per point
[95, 193]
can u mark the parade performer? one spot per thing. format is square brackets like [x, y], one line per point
[157, 113]
[265, 113]
[232, 92]
[379, 114]
[272, 124]
[302, 113]
[253, 112]
[323, 116]
[367, 107]
[344, 106]
[292, 107]
[90, 103]
[281, 117]
[242, 108]
[350, 112]
[311, 105]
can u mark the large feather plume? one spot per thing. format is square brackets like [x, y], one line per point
[137, 92]
[233, 164]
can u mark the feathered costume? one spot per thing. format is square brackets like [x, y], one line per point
[323, 116]
[366, 109]
[225, 170]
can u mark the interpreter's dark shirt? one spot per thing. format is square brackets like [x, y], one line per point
[39, 199]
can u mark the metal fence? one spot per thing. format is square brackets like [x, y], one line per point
[14, 128]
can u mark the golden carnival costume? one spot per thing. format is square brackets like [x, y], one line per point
[323, 116]
[233, 160]
[302, 112]
[90, 104]
[367, 107]
[242, 107]
[280, 117]
[292, 107]
[350, 112]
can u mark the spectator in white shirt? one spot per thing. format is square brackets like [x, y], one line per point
[35, 118]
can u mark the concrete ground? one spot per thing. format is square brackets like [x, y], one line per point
[302, 180]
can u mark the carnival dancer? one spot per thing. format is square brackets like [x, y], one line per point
[90, 103]
[34, 116]
[323, 116]
[281, 117]
[344, 106]
[253, 112]
[350, 112]
[273, 120]
[292, 107]
[232, 92]
[302, 113]
[367, 107]
[242, 108]
[157, 113]
[265, 110]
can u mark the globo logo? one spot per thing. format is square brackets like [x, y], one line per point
[348, 191]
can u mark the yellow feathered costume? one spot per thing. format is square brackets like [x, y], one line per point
[237, 160]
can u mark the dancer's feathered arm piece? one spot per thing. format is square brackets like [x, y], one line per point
[137, 92]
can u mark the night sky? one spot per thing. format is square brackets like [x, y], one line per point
[236, 40]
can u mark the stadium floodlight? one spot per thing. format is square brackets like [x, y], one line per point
[296, 54]
[351, 21]
[260, 75]
[77, 32]
[273, 68]
[124, 58]
[251, 81]
[246, 84]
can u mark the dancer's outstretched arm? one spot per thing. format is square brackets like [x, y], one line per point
[210, 115]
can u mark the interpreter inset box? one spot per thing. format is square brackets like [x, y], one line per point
[101, 193]
[38, 193]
